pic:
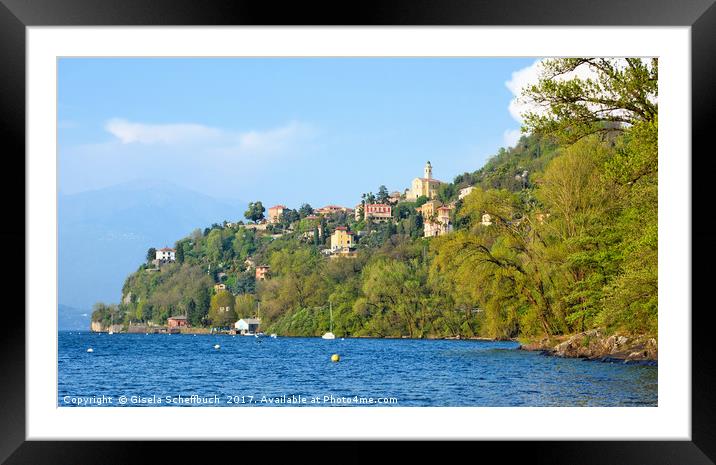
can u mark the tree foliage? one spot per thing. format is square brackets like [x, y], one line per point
[577, 97]
[559, 235]
[255, 212]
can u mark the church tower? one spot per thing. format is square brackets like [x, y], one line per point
[428, 171]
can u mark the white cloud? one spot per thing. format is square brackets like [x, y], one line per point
[511, 137]
[520, 80]
[274, 140]
[212, 140]
[128, 132]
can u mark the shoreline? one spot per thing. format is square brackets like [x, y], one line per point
[590, 345]
[594, 345]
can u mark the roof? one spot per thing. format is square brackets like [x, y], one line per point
[167, 249]
[445, 208]
[333, 207]
[251, 321]
[179, 317]
[343, 228]
[431, 180]
[377, 205]
[278, 206]
[263, 266]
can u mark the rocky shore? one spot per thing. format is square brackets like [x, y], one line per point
[595, 345]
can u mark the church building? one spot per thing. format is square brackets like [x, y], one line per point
[426, 185]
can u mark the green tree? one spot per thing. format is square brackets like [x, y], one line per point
[245, 305]
[420, 201]
[619, 93]
[289, 216]
[151, 254]
[255, 212]
[324, 230]
[383, 194]
[305, 210]
[198, 313]
[180, 252]
[221, 312]
[214, 245]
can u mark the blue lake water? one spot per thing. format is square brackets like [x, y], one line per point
[185, 370]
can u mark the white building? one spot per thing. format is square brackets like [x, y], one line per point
[166, 254]
[486, 219]
[247, 325]
[442, 224]
[465, 192]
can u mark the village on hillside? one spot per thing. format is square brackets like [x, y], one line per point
[348, 226]
[437, 220]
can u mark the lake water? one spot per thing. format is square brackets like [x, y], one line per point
[186, 370]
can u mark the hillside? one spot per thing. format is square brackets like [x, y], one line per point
[557, 237]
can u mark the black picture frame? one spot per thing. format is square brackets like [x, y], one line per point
[16, 15]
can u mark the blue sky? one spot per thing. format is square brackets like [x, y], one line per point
[281, 130]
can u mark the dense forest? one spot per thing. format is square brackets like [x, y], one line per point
[571, 243]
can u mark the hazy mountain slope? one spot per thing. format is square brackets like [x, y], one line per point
[105, 234]
[71, 318]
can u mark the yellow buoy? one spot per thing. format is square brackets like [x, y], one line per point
[335, 358]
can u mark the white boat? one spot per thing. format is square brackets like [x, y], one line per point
[273, 335]
[329, 334]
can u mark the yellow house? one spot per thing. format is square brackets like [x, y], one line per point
[425, 186]
[341, 238]
[428, 209]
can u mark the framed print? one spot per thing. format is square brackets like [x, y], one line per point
[419, 224]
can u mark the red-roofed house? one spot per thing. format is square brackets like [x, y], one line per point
[176, 321]
[262, 272]
[377, 211]
[275, 213]
[341, 239]
[331, 209]
[166, 255]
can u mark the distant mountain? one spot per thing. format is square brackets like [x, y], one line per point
[71, 318]
[104, 234]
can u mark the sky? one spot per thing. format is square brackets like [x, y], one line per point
[283, 130]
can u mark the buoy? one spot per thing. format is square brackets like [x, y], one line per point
[217, 346]
[335, 358]
[90, 350]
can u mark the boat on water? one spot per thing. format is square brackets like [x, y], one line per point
[273, 335]
[329, 334]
